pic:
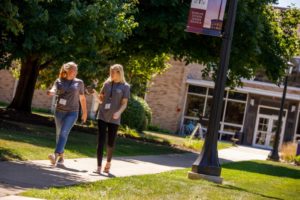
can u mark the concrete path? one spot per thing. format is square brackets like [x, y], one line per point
[16, 177]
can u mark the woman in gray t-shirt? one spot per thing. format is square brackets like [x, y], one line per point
[69, 91]
[113, 97]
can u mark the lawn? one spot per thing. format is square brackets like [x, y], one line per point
[243, 180]
[30, 142]
[185, 142]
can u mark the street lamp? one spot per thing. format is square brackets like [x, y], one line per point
[207, 165]
[274, 154]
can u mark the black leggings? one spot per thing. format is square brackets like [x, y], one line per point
[110, 129]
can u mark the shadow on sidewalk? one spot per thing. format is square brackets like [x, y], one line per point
[29, 175]
[71, 169]
[171, 160]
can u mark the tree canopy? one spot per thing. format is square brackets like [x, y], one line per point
[262, 37]
[53, 32]
[143, 36]
[257, 44]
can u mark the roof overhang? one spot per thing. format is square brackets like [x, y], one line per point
[250, 90]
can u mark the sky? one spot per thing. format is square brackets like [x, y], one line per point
[213, 7]
[285, 3]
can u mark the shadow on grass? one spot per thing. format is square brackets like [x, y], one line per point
[230, 187]
[264, 168]
[41, 136]
[7, 154]
[78, 143]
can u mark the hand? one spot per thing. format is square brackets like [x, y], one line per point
[50, 93]
[101, 97]
[84, 117]
[116, 115]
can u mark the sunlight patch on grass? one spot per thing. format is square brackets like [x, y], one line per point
[243, 180]
[36, 142]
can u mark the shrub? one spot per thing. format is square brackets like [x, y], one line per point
[297, 160]
[288, 152]
[128, 132]
[138, 114]
[158, 129]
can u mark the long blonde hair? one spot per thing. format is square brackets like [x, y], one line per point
[119, 68]
[63, 74]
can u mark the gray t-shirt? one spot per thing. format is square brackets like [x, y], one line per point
[113, 95]
[68, 92]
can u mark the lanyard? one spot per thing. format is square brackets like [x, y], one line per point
[111, 90]
[69, 86]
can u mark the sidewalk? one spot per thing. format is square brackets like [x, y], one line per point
[16, 177]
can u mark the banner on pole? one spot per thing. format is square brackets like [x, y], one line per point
[206, 17]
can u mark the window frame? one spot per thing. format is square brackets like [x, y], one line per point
[226, 99]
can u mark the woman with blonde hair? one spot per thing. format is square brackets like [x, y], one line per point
[69, 91]
[113, 97]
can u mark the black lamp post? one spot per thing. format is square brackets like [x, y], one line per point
[274, 153]
[207, 165]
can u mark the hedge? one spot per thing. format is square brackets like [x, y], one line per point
[138, 114]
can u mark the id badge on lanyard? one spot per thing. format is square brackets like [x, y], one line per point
[107, 106]
[62, 102]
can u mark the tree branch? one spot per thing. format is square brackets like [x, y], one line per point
[46, 64]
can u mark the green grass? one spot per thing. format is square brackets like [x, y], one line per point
[185, 142]
[243, 180]
[36, 142]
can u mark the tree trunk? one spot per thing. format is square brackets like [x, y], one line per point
[26, 85]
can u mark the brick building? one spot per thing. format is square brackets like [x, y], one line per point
[177, 96]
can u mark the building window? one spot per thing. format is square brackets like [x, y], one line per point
[197, 90]
[208, 107]
[210, 91]
[270, 111]
[195, 105]
[199, 101]
[237, 96]
[235, 112]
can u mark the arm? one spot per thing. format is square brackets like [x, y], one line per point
[101, 98]
[101, 94]
[83, 107]
[82, 100]
[124, 103]
[53, 90]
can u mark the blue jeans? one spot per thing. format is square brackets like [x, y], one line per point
[64, 122]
